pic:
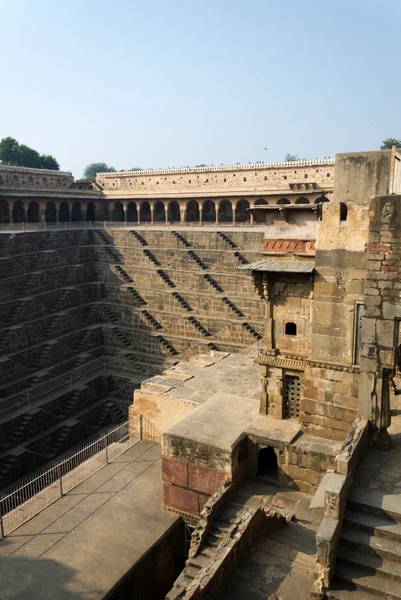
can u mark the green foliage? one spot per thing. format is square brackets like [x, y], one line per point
[291, 157]
[49, 162]
[389, 143]
[135, 169]
[92, 169]
[14, 154]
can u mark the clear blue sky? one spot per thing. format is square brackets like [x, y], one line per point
[171, 83]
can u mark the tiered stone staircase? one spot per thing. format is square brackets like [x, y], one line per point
[369, 556]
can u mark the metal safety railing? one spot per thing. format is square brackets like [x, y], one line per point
[35, 393]
[113, 225]
[28, 499]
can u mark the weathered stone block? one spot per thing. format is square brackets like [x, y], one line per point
[180, 499]
[174, 471]
[204, 480]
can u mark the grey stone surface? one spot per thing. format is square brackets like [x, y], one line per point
[80, 546]
[275, 432]
[219, 422]
[318, 498]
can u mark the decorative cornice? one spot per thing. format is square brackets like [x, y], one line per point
[290, 361]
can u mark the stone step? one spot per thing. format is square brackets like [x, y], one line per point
[378, 587]
[221, 526]
[371, 564]
[361, 541]
[341, 591]
[199, 561]
[213, 540]
[375, 502]
[191, 570]
[183, 580]
[378, 526]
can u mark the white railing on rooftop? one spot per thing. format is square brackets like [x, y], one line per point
[54, 172]
[233, 167]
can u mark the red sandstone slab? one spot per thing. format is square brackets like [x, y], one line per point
[202, 501]
[180, 499]
[204, 480]
[174, 471]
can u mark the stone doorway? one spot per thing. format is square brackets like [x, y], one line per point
[267, 464]
[291, 396]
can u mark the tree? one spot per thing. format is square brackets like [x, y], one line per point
[92, 169]
[9, 151]
[49, 162]
[20, 155]
[389, 143]
[135, 169]
[291, 157]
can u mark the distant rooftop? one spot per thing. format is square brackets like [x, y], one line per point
[233, 167]
[33, 170]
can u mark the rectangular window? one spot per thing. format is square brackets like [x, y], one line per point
[359, 312]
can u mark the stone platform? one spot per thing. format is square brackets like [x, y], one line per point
[82, 545]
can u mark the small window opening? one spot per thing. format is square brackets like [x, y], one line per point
[290, 328]
[267, 463]
[343, 211]
[244, 178]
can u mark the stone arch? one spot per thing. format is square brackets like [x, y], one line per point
[283, 201]
[117, 214]
[33, 212]
[225, 211]
[145, 214]
[64, 212]
[241, 211]
[44, 180]
[159, 212]
[30, 180]
[76, 213]
[132, 212]
[1, 180]
[58, 182]
[302, 200]
[192, 212]
[4, 211]
[209, 212]
[51, 212]
[18, 212]
[261, 202]
[321, 200]
[90, 212]
[173, 212]
[15, 179]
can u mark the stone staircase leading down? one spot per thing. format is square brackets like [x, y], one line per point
[218, 529]
[369, 556]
